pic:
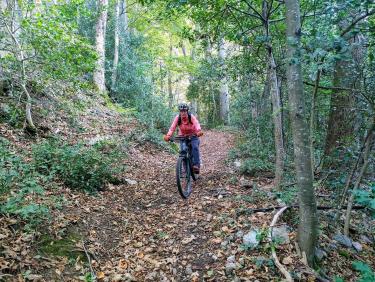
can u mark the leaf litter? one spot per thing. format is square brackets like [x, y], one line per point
[142, 230]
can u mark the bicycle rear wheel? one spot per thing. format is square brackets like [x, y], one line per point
[183, 177]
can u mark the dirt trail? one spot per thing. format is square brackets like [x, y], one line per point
[147, 232]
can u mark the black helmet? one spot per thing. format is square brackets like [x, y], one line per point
[183, 106]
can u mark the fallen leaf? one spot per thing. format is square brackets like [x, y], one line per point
[217, 240]
[195, 277]
[225, 229]
[188, 240]
[123, 264]
[138, 245]
[287, 260]
[100, 275]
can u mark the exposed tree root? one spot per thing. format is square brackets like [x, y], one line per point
[282, 269]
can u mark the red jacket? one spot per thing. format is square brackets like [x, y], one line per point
[185, 128]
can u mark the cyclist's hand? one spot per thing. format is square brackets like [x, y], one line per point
[200, 133]
[166, 138]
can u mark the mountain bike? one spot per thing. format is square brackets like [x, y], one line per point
[184, 167]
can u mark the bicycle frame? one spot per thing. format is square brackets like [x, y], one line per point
[185, 156]
[185, 150]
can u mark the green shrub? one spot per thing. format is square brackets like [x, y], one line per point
[7, 169]
[288, 196]
[366, 197]
[256, 157]
[44, 156]
[148, 135]
[367, 274]
[254, 166]
[78, 166]
[21, 191]
[12, 114]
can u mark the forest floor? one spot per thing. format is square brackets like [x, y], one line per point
[142, 230]
[145, 231]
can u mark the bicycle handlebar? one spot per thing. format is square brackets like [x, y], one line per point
[182, 138]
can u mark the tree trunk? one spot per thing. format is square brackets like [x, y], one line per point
[340, 123]
[123, 18]
[224, 91]
[308, 221]
[116, 47]
[264, 104]
[366, 153]
[312, 118]
[342, 114]
[276, 103]
[23, 80]
[2, 78]
[170, 88]
[277, 119]
[161, 78]
[99, 73]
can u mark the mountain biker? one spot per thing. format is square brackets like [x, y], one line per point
[188, 125]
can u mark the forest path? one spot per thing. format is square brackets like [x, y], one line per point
[146, 232]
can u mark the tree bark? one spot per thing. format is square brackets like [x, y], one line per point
[276, 102]
[340, 122]
[312, 118]
[342, 114]
[2, 78]
[161, 78]
[170, 88]
[101, 24]
[265, 98]
[123, 18]
[277, 119]
[366, 153]
[116, 47]
[307, 229]
[224, 90]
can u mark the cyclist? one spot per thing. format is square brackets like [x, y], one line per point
[188, 125]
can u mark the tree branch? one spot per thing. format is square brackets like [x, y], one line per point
[276, 8]
[254, 10]
[297, 206]
[331, 87]
[346, 30]
[243, 12]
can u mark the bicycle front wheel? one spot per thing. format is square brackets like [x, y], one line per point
[183, 177]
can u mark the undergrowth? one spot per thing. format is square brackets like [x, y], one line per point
[80, 167]
[256, 158]
[24, 177]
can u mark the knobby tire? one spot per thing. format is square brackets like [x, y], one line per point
[183, 188]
